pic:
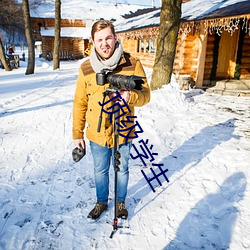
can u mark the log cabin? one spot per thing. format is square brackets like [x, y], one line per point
[74, 37]
[77, 19]
[213, 41]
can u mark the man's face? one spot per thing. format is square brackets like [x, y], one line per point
[104, 42]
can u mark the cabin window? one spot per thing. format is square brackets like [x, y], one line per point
[146, 45]
[152, 45]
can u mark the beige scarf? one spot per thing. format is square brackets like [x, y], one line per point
[110, 64]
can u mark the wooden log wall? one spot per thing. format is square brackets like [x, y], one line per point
[50, 22]
[73, 45]
[131, 46]
[146, 59]
[209, 57]
[47, 45]
[245, 60]
[190, 56]
[178, 61]
[186, 55]
[79, 46]
[66, 44]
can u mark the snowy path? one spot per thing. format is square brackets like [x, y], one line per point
[44, 197]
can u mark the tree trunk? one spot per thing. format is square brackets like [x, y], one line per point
[168, 34]
[3, 57]
[28, 33]
[56, 59]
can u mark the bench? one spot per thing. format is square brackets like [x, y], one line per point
[13, 61]
[63, 55]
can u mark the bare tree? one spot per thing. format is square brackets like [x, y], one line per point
[168, 34]
[3, 57]
[36, 3]
[11, 17]
[56, 59]
[28, 33]
[11, 24]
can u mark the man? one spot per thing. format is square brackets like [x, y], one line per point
[107, 54]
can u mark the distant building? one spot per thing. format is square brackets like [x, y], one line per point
[75, 36]
[77, 19]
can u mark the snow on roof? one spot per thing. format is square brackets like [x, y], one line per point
[197, 9]
[85, 10]
[192, 10]
[79, 32]
[145, 20]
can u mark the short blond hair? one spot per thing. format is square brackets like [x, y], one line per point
[100, 25]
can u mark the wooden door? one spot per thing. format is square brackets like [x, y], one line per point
[227, 55]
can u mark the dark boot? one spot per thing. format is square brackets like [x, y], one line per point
[122, 211]
[97, 210]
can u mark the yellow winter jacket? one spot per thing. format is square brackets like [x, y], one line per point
[88, 94]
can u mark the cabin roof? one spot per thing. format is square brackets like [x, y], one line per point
[193, 10]
[208, 9]
[140, 21]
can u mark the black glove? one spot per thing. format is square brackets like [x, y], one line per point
[78, 153]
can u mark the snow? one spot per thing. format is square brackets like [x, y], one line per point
[192, 10]
[145, 20]
[197, 9]
[84, 33]
[202, 139]
[86, 10]
[155, 3]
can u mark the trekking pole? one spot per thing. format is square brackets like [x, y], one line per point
[100, 117]
[117, 156]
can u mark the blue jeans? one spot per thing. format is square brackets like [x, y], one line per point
[102, 158]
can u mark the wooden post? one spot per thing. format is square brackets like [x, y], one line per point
[201, 60]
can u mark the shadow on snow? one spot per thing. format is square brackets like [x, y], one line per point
[23, 110]
[186, 156]
[209, 225]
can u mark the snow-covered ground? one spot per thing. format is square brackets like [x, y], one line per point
[202, 139]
